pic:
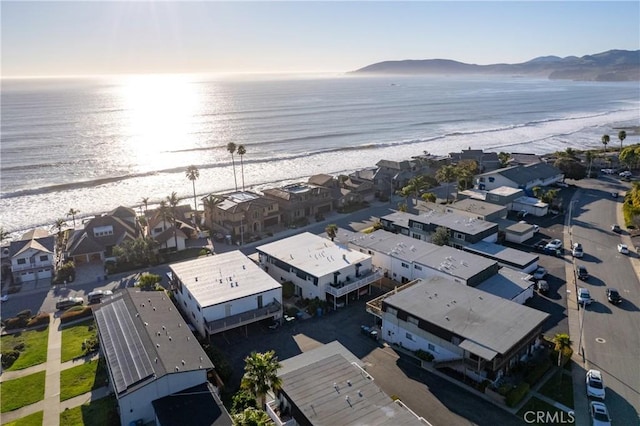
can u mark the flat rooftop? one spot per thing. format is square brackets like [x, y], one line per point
[503, 254]
[396, 245]
[313, 254]
[489, 324]
[507, 283]
[222, 277]
[450, 220]
[456, 263]
[476, 207]
[330, 388]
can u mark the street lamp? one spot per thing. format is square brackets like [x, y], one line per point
[580, 348]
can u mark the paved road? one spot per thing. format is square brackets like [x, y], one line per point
[611, 334]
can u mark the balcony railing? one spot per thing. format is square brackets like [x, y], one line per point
[271, 411]
[374, 306]
[26, 266]
[244, 318]
[349, 287]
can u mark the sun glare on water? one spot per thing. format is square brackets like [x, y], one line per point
[160, 116]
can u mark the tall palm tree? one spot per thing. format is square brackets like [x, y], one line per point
[605, 141]
[231, 147]
[145, 202]
[163, 208]
[622, 135]
[192, 174]
[73, 212]
[446, 174]
[261, 375]
[209, 205]
[173, 201]
[241, 152]
[331, 230]
[562, 342]
[59, 224]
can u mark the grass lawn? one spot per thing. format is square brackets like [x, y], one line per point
[559, 390]
[73, 336]
[23, 391]
[34, 419]
[82, 378]
[35, 347]
[102, 412]
[536, 405]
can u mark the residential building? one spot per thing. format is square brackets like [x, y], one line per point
[476, 333]
[506, 256]
[393, 175]
[523, 177]
[502, 196]
[95, 242]
[300, 202]
[509, 284]
[328, 385]
[523, 158]
[150, 353]
[360, 189]
[487, 161]
[33, 256]
[244, 215]
[477, 209]
[318, 267]
[165, 234]
[462, 230]
[200, 404]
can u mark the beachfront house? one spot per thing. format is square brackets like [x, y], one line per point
[328, 385]
[478, 334]
[318, 268]
[225, 291]
[243, 215]
[95, 242]
[301, 202]
[487, 161]
[524, 177]
[32, 256]
[162, 230]
[150, 355]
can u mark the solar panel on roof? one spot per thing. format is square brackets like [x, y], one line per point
[127, 357]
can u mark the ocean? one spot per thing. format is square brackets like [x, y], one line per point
[94, 144]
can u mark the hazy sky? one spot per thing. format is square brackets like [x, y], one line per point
[99, 37]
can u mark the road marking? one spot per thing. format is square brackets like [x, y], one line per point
[600, 340]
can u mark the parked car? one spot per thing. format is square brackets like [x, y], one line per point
[582, 272]
[613, 296]
[553, 245]
[599, 414]
[96, 296]
[4, 297]
[584, 297]
[608, 171]
[626, 173]
[540, 245]
[522, 214]
[536, 228]
[539, 273]
[68, 302]
[614, 194]
[369, 332]
[576, 250]
[542, 286]
[622, 248]
[595, 384]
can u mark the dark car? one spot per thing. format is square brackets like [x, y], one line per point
[613, 296]
[68, 302]
[582, 272]
[540, 245]
[616, 229]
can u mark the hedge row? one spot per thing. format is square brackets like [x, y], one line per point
[516, 394]
[23, 321]
[538, 371]
[75, 313]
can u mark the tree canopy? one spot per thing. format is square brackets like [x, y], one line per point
[571, 168]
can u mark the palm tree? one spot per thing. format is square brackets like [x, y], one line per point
[209, 205]
[605, 141]
[446, 174]
[241, 152]
[231, 147]
[173, 201]
[562, 342]
[73, 212]
[145, 202]
[58, 225]
[622, 135]
[4, 234]
[261, 375]
[192, 174]
[331, 230]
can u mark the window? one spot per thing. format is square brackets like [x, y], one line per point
[418, 267]
[158, 229]
[198, 308]
[431, 347]
[409, 336]
[392, 311]
[405, 265]
[412, 320]
[370, 252]
[492, 179]
[417, 226]
[481, 179]
[458, 236]
[44, 258]
[22, 261]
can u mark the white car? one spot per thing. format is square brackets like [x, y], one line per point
[599, 414]
[607, 171]
[576, 250]
[539, 273]
[584, 297]
[626, 173]
[4, 297]
[555, 244]
[595, 384]
[622, 248]
[536, 228]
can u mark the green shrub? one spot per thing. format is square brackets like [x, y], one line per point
[424, 355]
[504, 389]
[516, 394]
[9, 357]
[16, 322]
[288, 289]
[538, 371]
[19, 347]
[40, 319]
[75, 313]
[24, 314]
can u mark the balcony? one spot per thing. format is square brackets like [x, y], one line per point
[273, 410]
[244, 318]
[27, 266]
[347, 288]
[374, 306]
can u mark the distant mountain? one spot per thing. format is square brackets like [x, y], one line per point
[612, 65]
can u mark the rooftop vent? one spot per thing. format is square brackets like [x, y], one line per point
[196, 279]
[183, 363]
[349, 382]
[177, 368]
[359, 393]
